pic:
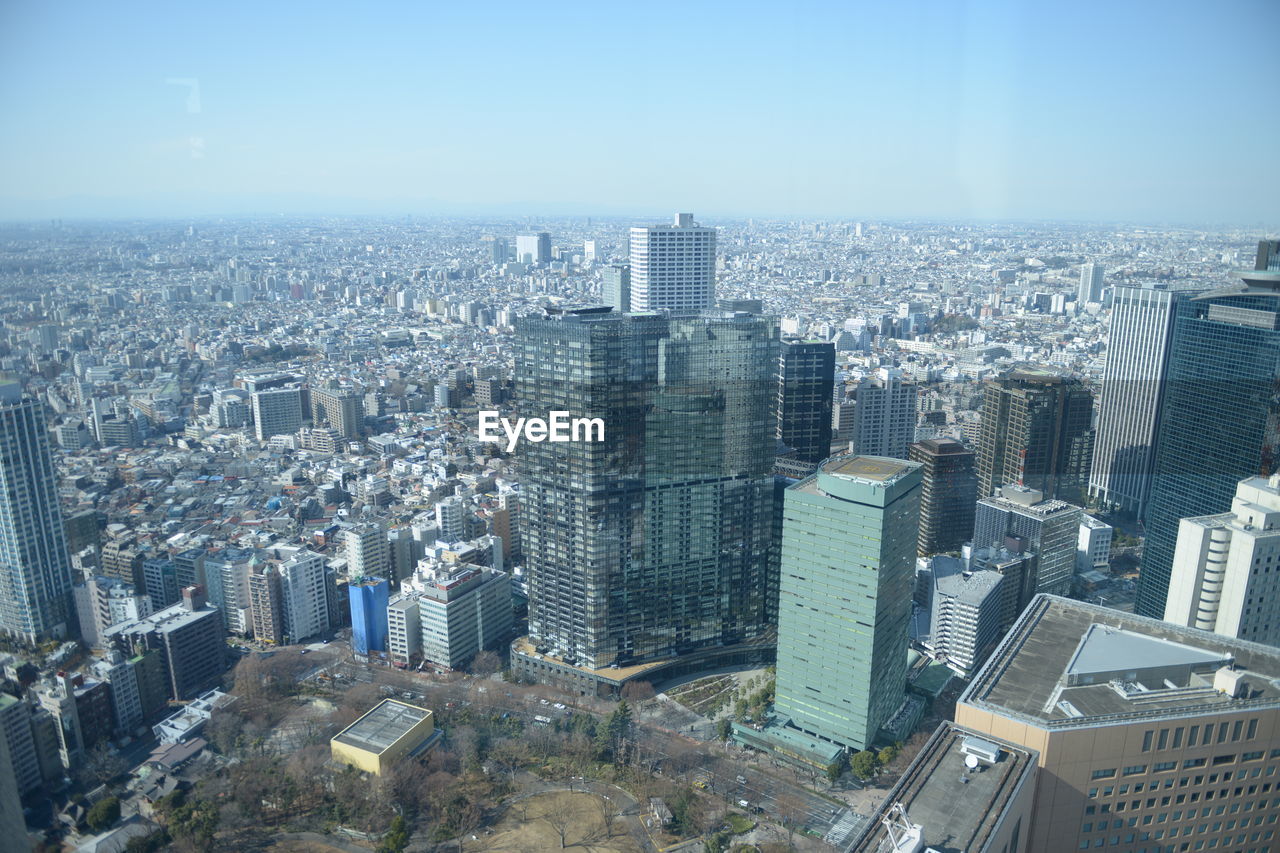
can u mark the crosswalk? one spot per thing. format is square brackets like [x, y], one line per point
[846, 825]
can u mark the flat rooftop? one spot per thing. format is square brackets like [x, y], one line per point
[1066, 663]
[877, 469]
[953, 815]
[382, 725]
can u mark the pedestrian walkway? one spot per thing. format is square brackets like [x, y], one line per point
[845, 826]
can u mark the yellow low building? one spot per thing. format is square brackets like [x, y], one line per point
[385, 734]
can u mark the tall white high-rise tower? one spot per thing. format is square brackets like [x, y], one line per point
[1226, 567]
[673, 267]
[35, 570]
[1133, 387]
[1090, 289]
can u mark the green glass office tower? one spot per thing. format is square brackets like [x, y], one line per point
[654, 541]
[1220, 421]
[848, 570]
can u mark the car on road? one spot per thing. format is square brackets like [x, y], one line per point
[743, 804]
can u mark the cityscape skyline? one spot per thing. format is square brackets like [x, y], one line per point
[994, 110]
[267, 442]
[929, 359]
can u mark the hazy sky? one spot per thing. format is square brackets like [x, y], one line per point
[1117, 110]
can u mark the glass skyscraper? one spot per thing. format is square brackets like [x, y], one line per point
[1220, 421]
[807, 372]
[654, 541]
[1037, 431]
[35, 570]
[1133, 386]
[844, 604]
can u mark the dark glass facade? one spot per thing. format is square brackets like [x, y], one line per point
[1037, 431]
[948, 494]
[806, 381]
[1220, 422]
[656, 540]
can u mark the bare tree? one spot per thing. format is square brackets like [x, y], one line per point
[485, 663]
[102, 765]
[466, 743]
[792, 812]
[559, 816]
[510, 756]
[637, 691]
[610, 811]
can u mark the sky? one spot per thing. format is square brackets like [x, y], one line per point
[1133, 111]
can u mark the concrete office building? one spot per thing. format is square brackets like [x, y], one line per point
[1217, 424]
[122, 558]
[1133, 388]
[15, 724]
[1093, 547]
[189, 567]
[451, 519]
[884, 414]
[160, 578]
[102, 602]
[227, 573]
[1226, 568]
[965, 616]
[277, 411]
[964, 791]
[533, 248]
[126, 698]
[304, 593]
[462, 610]
[1090, 287]
[1148, 735]
[404, 630]
[615, 287]
[1020, 520]
[266, 618]
[191, 638]
[848, 559]
[497, 249]
[340, 408]
[35, 568]
[13, 824]
[806, 382]
[948, 493]
[368, 550]
[231, 409]
[1037, 431]
[673, 267]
